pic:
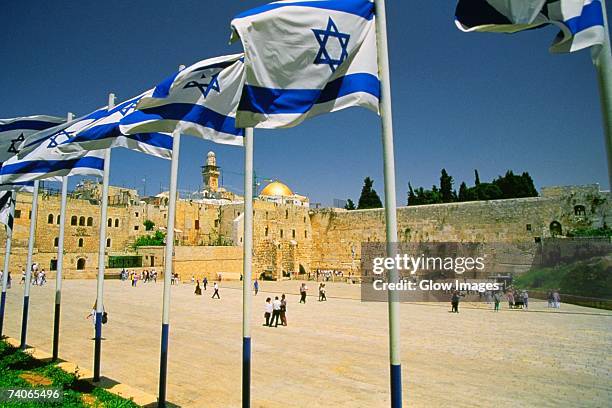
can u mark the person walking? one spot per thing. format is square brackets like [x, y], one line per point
[8, 280]
[455, 302]
[556, 299]
[276, 307]
[23, 274]
[322, 297]
[216, 293]
[525, 296]
[283, 310]
[268, 311]
[496, 299]
[205, 282]
[198, 289]
[256, 286]
[510, 296]
[303, 291]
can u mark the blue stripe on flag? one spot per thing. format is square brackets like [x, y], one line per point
[153, 139]
[186, 112]
[162, 90]
[361, 8]
[48, 166]
[28, 125]
[592, 15]
[276, 101]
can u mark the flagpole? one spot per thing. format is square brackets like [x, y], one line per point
[602, 59]
[101, 257]
[163, 359]
[28, 275]
[7, 255]
[390, 200]
[247, 260]
[60, 261]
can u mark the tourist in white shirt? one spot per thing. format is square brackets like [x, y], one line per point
[268, 311]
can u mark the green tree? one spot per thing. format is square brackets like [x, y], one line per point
[369, 198]
[463, 192]
[412, 199]
[148, 224]
[446, 187]
[488, 191]
[515, 186]
[350, 205]
[156, 239]
[476, 178]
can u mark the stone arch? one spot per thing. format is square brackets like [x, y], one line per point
[90, 221]
[82, 221]
[110, 222]
[80, 264]
[73, 220]
[556, 229]
[50, 219]
[116, 222]
[80, 242]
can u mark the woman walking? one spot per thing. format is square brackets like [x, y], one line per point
[283, 310]
[303, 290]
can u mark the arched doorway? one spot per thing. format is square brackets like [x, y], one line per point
[555, 228]
[81, 264]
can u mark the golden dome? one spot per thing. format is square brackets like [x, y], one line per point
[276, 188]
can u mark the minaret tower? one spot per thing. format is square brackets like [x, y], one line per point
[210, 173]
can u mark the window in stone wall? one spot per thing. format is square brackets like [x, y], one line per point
[30, 215]
[304, 220]
[82, 221]
[305, 234]
[56, 242]
[58, 219]
[292, 233]
[528, 227]
[136, 214]
[17, 214]
[286, 213]
[73, 220]
[266, 231]
[53, 265]
[281, 233]
[50, 219]
[90, 221]
[579, 210]
[116, 222]
[81, 264]
[110, 222]
[216, 223]
[136, 228]
[196, 224]
[80, 242]
[266, 215]
[108, 242]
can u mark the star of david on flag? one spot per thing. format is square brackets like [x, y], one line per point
[306, 58]
[13, 132]
[323, 36]
[105, 133]
[184, 102]
[40, 158]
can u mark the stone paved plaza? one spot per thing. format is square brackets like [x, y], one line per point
[332, 353]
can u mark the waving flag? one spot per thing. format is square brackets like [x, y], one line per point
[6, 218]
[14, 131]
[41, 158]
[200, 101]
[105, 133]
[305, 58]
[581, 21]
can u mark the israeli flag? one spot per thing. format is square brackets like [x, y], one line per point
[104, 133]
[27, 186]
[41, 159]
[306, 58]
[14, 131]
[580, 22]
[200, 101]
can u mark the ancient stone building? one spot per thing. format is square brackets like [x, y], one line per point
[289, 237]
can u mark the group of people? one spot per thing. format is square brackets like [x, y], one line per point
[145, 275]
[198, 288]
[38, 278]
[274, 310]
[554, 299]
[328, 274]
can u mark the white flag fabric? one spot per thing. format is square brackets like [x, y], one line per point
[104, 133]
[200, 100]
[580, 22]
[42, 160]
[14, 131]
[305, 58]
[6, 218]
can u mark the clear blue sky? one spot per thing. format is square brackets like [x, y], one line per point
[490, 102]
